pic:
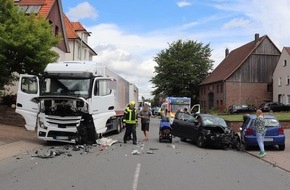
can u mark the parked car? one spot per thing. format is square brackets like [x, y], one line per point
[241, 109]
[205, 130]
[274, 134]
[274, 106]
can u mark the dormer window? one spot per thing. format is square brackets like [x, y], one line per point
[27, 9]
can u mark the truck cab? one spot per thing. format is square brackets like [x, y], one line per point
[65, 96]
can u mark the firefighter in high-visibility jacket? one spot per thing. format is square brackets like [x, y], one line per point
[130, 120]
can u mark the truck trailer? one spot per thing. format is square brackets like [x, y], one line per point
[74, 101]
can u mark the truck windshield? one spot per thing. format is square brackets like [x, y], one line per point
[66, 86]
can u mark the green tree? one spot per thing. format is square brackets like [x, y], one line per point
[25, 42]
[181, 68]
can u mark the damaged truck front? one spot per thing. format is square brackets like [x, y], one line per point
[73, 101]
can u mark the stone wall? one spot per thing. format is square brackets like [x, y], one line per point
[235, 125]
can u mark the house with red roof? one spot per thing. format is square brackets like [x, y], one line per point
[245, 76]
[281, 78]
[77, 37]
[74, 44]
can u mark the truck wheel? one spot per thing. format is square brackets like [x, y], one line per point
[119, 127]
[183, 139]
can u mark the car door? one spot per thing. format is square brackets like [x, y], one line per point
[177, 125]
[244, 127]
[27, 90]
[190, 127]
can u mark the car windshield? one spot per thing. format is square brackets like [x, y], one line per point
[66, 86]
[213, 121]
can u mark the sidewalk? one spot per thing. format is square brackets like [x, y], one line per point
[276, 157]
[16, 140]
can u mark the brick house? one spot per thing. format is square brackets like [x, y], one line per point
[52, 11]
[74, 44]
[281, 78]
[243, 77]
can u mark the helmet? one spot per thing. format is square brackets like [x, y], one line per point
[132, 103]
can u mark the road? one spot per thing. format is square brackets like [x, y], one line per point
[179, 165]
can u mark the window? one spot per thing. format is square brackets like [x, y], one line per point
[288, 99]
[56, 30]
[29, 85]
[280, 81]
[102, 88]
[285, 63]
[27, 9]
[221, 88]
[33, 9]
[217, 88]
[79, 51]
[85, 55]
[288, 80]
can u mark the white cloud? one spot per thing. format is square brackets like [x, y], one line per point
[235, 23]
[183, 3]
[82, 11]
[131, 56]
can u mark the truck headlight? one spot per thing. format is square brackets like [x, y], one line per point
[41, 124]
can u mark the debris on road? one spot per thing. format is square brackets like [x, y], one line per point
[135, 152]
[106, 141]
[51, 154]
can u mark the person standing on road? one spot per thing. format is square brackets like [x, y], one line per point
[259, 124]
[145, 115]
[130, 119]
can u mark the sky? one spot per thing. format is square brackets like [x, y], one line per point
[128, 34]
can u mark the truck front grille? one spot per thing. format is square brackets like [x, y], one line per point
[64, 122]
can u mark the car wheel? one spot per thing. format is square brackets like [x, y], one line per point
[200, 142]
[183, 139]
[282, 147]
[238, 146]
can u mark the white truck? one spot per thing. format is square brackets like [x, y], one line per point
[74, 101]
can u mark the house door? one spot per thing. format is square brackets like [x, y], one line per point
[280, 98]
[210, 101]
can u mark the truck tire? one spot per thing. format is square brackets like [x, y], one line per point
[119, 126]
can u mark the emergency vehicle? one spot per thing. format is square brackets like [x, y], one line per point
[172, 104]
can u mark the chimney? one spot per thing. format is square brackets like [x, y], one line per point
[226, 52]
[256, 38]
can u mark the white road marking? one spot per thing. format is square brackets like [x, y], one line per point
[136, 177]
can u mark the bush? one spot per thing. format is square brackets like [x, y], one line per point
[9, 100]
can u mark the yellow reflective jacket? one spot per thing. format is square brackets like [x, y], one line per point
[130, 116]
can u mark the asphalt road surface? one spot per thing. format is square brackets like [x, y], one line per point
[145, 166]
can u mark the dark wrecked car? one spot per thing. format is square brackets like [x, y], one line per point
[205, 130]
